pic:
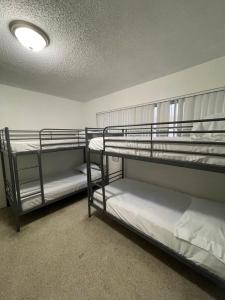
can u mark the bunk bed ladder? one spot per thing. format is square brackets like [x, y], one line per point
[100, 183]
[18, 181]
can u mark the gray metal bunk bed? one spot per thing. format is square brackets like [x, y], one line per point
[196, 144]
[25, 195]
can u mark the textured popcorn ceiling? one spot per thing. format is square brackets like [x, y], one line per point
[101, 46]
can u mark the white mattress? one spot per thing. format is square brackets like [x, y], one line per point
[155, 211]
[54, 187]
[32, 145]
[97, 144]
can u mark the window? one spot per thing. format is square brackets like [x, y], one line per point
[155, 117]
[155, 112]
[184, 108]
[172, 111]
[173, 116]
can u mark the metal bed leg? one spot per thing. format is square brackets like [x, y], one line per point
[84, 155]
[87, 159]
[89, 210]
[18, 225]
[7, 203]
[103, 180]
[4, 178]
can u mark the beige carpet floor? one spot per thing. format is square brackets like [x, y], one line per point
[61, 254]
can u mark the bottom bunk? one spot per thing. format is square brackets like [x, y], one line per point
[191, 228]
[55, 187]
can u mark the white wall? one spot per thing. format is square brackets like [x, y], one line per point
[22, 109]
[202, 77]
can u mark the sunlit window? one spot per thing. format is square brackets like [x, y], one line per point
[155, 117]
[173, 117]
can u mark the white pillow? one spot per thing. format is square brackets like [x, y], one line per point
[213, 125]
[83, 168]
[203, 225]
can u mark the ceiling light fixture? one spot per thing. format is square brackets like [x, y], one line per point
[29, 35]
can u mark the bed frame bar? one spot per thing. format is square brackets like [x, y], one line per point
[171, 129]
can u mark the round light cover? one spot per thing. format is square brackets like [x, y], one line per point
[29, 35]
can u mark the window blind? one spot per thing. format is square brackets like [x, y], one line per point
[195, 106]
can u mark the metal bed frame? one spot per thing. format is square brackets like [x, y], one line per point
[179, 128]
[48, 140]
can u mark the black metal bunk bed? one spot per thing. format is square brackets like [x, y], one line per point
[17, 143]
[182, 143]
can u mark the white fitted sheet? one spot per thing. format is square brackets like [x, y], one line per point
[97, 144]
[54, 187]
[33, 145]
[155, 211]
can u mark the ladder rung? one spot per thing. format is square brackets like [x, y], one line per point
[97, 200]
[98, 184]
[97, 180]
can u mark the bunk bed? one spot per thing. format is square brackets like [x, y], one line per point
[35, 190]
[188, 228]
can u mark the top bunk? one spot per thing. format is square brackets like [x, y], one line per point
[198, 144]
[44, 140]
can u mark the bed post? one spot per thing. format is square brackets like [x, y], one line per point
[4, 178]
[107, 170]
[3, 167]
[89, 181]
[103, 180]
[18, 225]
[123, 163]
[151, 144]
[39, 156]
[87, 151]
[124, 131]
[102, 169]
[84, 155]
